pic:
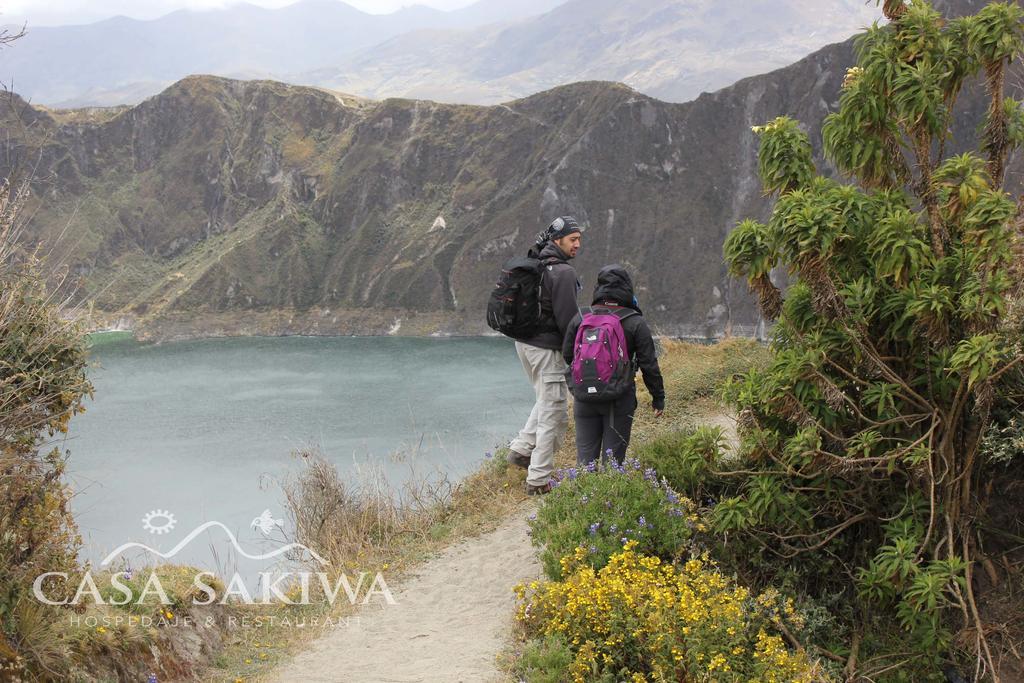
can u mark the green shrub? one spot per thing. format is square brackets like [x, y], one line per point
[544, 660]
[599, 509]
[890, 354]
[685, 458]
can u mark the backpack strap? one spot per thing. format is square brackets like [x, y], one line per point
[551, 325]
[619, 311]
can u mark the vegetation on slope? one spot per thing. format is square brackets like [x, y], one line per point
[869, 476]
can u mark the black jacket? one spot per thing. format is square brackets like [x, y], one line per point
[558, 292]
[615, 292]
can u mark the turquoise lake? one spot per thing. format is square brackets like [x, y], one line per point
[205, 430]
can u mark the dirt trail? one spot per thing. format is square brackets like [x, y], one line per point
[453, 616]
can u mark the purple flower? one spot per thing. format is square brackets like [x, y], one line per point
[594, 527]
[572, 473]
[533, 516]
[675, 512]
[593, 549]
[642, 521]
[592, 466]
[624, 540]
[651, 475]
[488, 455]
[151, 678]
[614, 528]
[608, 504]
[128, 574]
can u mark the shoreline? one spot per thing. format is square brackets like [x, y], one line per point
[322, 322]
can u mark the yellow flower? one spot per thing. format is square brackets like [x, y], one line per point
[662, 604]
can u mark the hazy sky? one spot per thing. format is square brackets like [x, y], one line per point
[57, 12]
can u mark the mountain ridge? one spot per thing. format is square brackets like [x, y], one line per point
[393, 180]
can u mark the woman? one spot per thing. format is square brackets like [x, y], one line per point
[604, 424]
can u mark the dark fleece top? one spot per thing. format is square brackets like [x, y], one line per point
[558, 292]
[614, 292]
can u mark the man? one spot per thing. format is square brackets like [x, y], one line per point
[541, 355]
[605, 426]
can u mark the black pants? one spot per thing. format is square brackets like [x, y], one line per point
[601, 427]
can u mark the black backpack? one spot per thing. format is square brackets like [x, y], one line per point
[514, 306]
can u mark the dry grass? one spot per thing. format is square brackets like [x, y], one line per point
[369, 520]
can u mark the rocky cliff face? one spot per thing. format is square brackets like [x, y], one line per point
[223, 206]
[220, 196]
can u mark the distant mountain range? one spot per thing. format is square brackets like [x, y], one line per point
[670, 49]
[489, 52]
[123, 60]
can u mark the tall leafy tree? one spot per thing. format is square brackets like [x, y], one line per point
[893, 348]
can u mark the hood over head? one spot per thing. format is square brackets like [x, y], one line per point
[614, 286]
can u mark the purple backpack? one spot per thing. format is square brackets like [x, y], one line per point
[601, 369]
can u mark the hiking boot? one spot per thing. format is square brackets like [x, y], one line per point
[532, 490]
[518, 459]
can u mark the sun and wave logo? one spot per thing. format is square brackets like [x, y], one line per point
[159, 522]
[162, 527]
